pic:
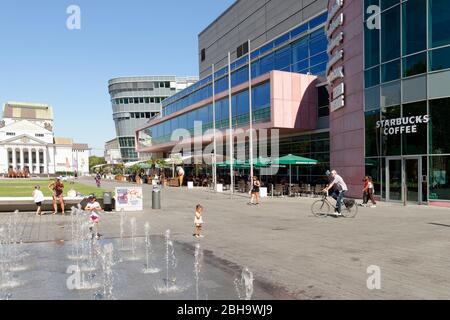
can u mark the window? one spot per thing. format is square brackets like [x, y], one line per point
[439, 59]
[439, 23]
[11, 134]
[415, 143]
[242, 49]
[266, 64]
[141, 100]
[147, 115]
[372, 47]
[390, 71]
[372, 77]
[390, 34]
[391, 144]
[372, 133]
[416, 64]
[439, 128]
[283, 59]
[440, 178]
[132, 115]
[323, 102]
[414, 26]
[39, 135]
[147, 100]
[136, 100]
[203, 55]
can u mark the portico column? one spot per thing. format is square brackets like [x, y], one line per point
[30, 161]
[38, 161]
[14, 159]
[45, 161]
[22, 160]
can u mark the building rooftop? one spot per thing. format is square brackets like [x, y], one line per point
[80, 146]
[63, 141]
[27, 110]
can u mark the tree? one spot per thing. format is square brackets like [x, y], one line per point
[95, 161]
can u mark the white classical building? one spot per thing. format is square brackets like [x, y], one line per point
[28, 144]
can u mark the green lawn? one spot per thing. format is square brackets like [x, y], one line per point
[25, 187]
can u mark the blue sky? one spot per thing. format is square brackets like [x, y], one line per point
[42, 61]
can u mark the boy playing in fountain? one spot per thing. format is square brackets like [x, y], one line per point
[94, 207]
[198, 221]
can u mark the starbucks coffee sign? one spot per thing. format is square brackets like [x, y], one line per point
[336, 54]
[403, 125]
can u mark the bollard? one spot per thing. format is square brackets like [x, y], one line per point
[156, 198]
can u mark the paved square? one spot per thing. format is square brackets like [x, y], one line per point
[295, 254]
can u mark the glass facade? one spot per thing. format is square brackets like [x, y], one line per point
[406, 145]
[162, 132]
[301, 50]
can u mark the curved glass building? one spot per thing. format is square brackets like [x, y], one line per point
[136, 100]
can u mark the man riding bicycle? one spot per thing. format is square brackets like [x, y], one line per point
[340, 188]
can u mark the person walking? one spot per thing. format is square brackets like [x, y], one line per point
[365, 191]
[339, 191]
[371, 192]
[38, 197]
[57, 189]
[98, 180]
[255, 196]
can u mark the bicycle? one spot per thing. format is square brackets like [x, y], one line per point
[322, 208]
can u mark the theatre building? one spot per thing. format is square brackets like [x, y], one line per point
[362, 86]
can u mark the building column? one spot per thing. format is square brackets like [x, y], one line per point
[14, 159]
[22, 159]
[38, 162]
[30, 161]
[45, 161]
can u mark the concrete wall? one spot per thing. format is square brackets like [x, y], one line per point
[347, 123]
[257, 20]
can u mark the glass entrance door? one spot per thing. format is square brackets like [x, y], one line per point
[394, 179]
[403, 180]
[412, 187]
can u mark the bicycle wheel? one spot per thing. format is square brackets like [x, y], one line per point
[320, 208]
[349, 211]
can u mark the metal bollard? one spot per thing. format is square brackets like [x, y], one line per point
[156, 198]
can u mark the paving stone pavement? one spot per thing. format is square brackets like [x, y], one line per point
[283, 244]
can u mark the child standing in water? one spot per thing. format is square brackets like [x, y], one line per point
[198, 221]
[38, 197]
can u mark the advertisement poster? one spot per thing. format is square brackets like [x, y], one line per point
[129, 199]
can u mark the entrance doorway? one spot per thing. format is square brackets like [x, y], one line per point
[403, 180]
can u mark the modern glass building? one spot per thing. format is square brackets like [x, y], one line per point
[136, 100]
[407, 99]
[287, 76]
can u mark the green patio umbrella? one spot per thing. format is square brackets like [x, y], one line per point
[145, 165]
[291, 160]
[236, 164]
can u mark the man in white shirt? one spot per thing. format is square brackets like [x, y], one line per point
[340, 188]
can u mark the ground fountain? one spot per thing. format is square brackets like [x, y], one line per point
[107, 262]
[170, 282]
[197, 268]
[244, 285]
[148, 251]
[122, 228]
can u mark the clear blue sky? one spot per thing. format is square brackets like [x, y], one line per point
[42, 61]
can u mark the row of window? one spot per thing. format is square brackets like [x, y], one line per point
[141, 100]
[278, 42]
[240, 112]
[125, 142]
[405, 27]
[438, 59]
[307, 55]
[425, 138]
[13, 134]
